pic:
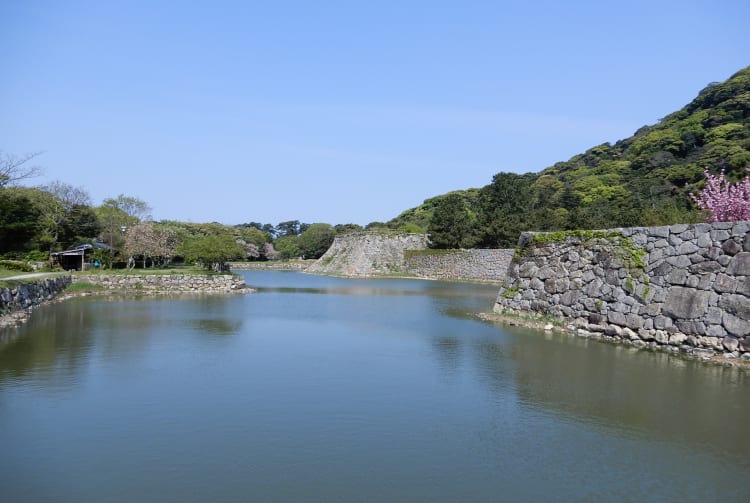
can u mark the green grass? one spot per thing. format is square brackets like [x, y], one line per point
[83, 286]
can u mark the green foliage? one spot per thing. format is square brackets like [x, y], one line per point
[510, 292]
[316, 240]
[18, 221]
[211, 251]
[16, 265]
[288, 247]
[453, 224]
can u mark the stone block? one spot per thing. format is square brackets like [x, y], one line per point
[714, 252]
[570, 297]
[528, 270]
[646, 335]
[720, 235]
[724, 260]
[634, 321]
[738, 305]
[696, 258]
[716, 331]
[659, 268]
[629, 334]
[659, 232]
[730, 343]
[691, 327]
[739, 265]
[616, 318]
[687, 248]
[662, 322]
[678, 228]
[743, 286]
[731, 247]
[725, 284]
[740, 228]
[704, 241]
[676, 339]
[677, 277]
[685, 303]
[680, 261]
[736, 326]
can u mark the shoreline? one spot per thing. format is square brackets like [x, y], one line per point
[559, 326]
[21, 316]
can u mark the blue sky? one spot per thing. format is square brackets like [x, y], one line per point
[340, 112]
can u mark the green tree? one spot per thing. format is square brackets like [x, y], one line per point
[18, 221]
[288, 228]
[506, 204]
[316, 240]
[287, 247]
[212, 252]
[452, 224]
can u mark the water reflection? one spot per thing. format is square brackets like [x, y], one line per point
[649, 393]
[370, 389]
[51, 345]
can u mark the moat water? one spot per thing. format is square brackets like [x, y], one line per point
[331, 389]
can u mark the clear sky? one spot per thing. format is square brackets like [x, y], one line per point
[343, 111]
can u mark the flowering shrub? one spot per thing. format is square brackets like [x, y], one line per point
[724, 201]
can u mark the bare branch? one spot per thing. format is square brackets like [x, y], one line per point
[14, 168]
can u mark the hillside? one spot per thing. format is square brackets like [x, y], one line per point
[640, 180]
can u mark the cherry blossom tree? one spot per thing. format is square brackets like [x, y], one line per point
[723, 200]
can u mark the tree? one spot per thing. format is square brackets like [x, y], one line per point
[139, 242]
[288, 228]
[452, 224]
[287, 247]
[18, 221]
[212, 252]
[58, 203]
[347, 228]
[15, 168]
[149, 241]
[316, 240]
[133, 207]
[505, 203]
[723, 200]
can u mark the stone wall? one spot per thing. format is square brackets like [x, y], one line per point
[31, 294]
[480, 265]
[682, 287]
[368, 254]
[166, 282]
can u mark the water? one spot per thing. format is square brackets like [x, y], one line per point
[329, 389]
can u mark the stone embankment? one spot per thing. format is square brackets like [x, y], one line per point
[368, 254]
[682, 287]
[166, 282]
[23, 297]
[476, 265]
[272, 265]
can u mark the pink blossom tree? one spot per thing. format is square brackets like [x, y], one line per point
[723, 200]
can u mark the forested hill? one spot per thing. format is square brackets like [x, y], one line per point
[641, 180]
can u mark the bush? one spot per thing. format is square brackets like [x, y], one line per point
[16, 265]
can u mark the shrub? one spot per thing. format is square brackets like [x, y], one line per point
[16, 265]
